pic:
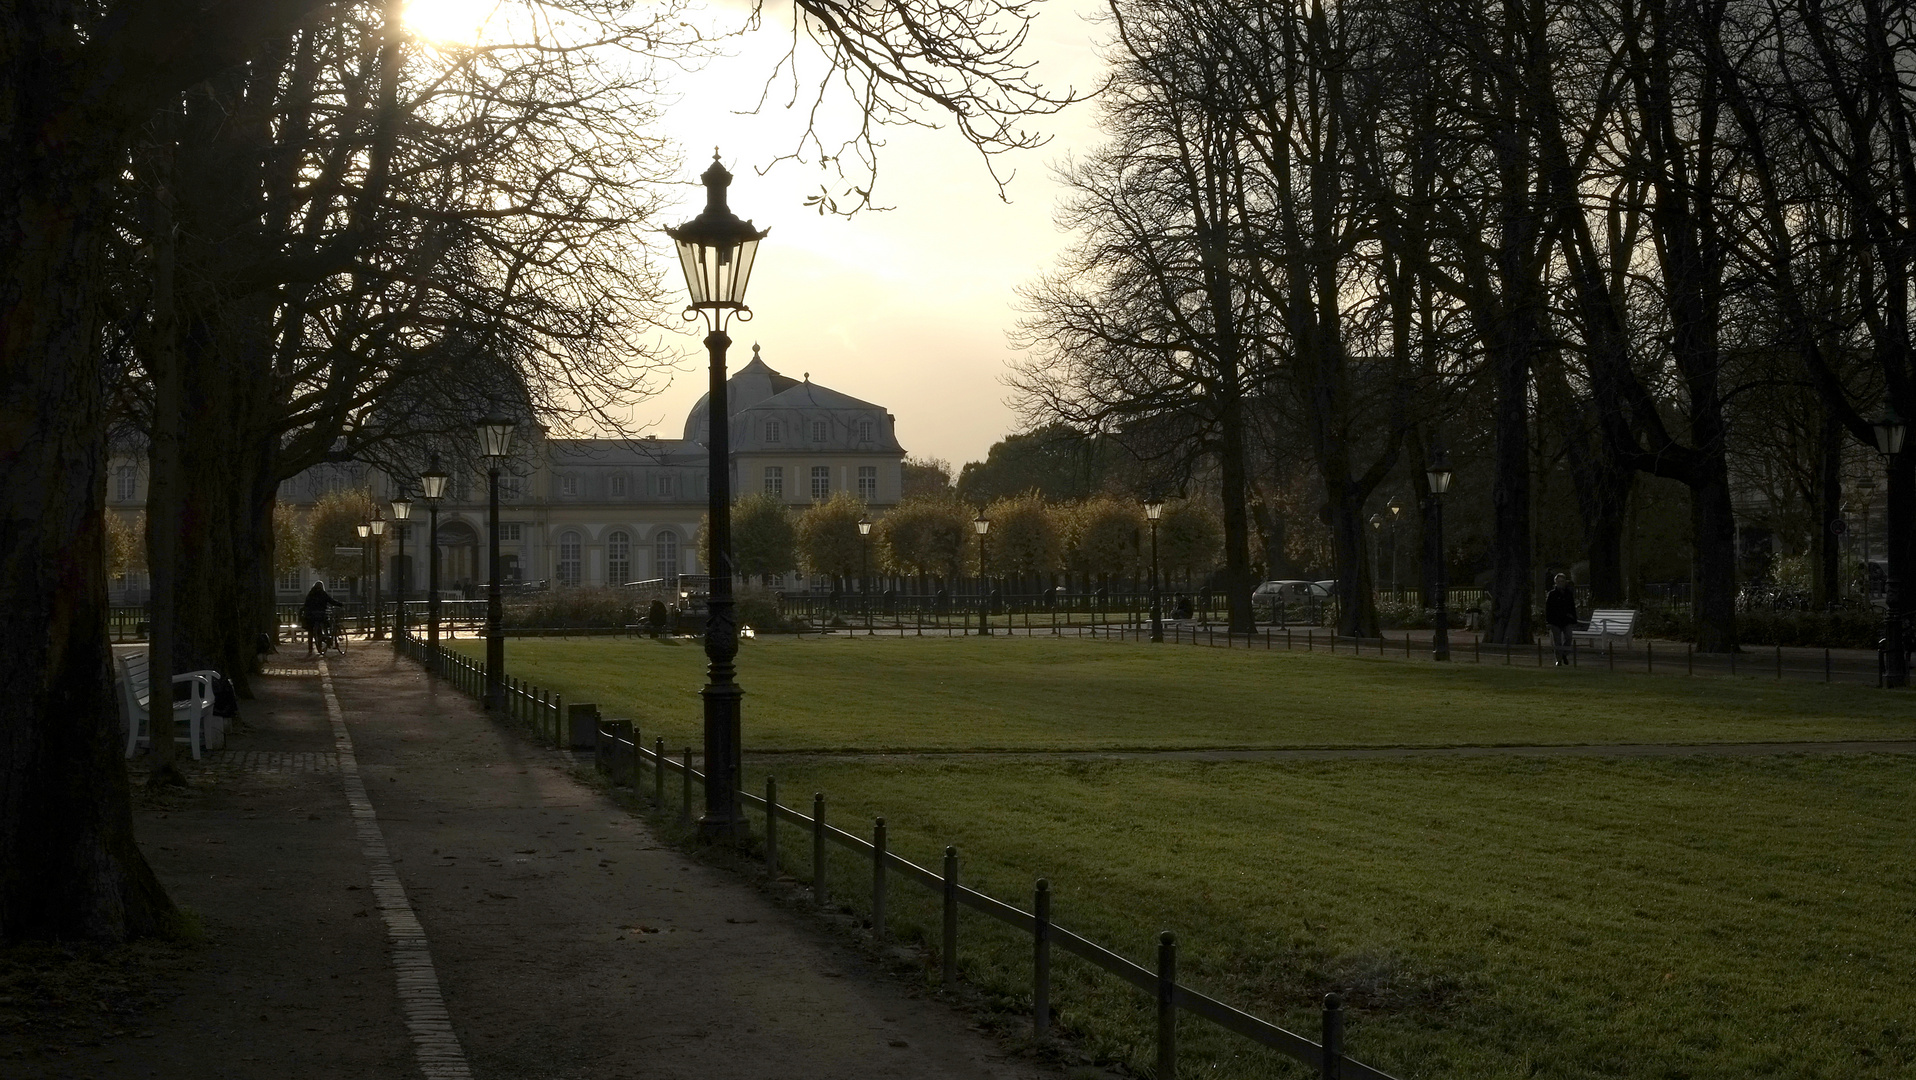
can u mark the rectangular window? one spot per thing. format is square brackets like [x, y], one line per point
[821, 482]
[292, 581]
[774, 431]
[512, 532]
[775, 481]
[569, 486]
[126, 483]
[508, 487]
[617, 486]
[663, 485]
[864, 431]
[618, 558]
[868, 482]
[461, 492]
[818, 431]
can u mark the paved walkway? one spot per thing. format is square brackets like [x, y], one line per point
[394, 886]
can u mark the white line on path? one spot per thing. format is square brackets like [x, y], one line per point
[433, 1042]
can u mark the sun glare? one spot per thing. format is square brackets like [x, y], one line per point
[449, 21]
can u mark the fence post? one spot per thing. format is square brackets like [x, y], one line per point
[558, 710]
[1610, 654]
[1333, 1037]
[948, 955]
[1779, 661]
[1826, 663]
[658, 772]
[685, 767]
[771, 826]
[638, 754]
[1649, 657]
[1041, 960]
[1689, 658]
[1167, 1006]
[819, 892]
[1733, 651]
[878, 879]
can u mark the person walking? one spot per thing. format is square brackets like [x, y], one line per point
[1560, 612]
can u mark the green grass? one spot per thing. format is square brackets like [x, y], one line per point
[1574, 918]
[1707, 918]
[871, 694]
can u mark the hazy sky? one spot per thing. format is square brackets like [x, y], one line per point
[907, 307]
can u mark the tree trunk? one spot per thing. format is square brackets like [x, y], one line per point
[68, 864]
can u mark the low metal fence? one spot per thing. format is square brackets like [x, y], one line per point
[619, 751]
[535, 707]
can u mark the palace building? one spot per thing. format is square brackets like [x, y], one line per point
[590, 512]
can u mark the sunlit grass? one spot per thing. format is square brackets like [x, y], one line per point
[1580, 917]
[1704, 918]
[856, 693]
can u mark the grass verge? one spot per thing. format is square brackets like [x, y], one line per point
[944, 694]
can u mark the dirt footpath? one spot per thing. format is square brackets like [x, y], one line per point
[564, 939]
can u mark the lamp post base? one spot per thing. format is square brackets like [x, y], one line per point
[722, 823]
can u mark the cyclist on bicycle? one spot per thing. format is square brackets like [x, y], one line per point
[316, 616]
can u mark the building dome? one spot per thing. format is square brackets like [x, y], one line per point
[749, 385]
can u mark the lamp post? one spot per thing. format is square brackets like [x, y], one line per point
[402, 510]
[378, 527]
[1439, 474]
[1376, 527]
[1153, 507]
[495, 441]
[432, 485]
[865, 569]
[1396, 509]
[716, 250]
[365, 531]
[982, 525]
[1889, 432]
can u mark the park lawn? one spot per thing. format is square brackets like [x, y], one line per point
[939, 694]
[1484, 918]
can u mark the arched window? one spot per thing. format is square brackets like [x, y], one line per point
[618, 558]
[569, 545]
[665, 555]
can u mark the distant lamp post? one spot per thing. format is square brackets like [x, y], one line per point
[1890, 431]
[432, 486]
[495, 442]
[1376, 527]
[865, 569]
[1153, 508]
[982, 525]
[378, 527]
[716, 250]
[365, 531]
[402, 510]
[1439, 474]
[1396, 510]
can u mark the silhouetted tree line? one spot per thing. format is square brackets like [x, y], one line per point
[1661, 238]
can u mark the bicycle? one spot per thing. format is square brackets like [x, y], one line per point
[323, 635]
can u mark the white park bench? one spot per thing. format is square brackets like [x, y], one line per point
[195, 710]
[1616, 624]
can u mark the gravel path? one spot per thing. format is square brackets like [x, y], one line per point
[564, 939]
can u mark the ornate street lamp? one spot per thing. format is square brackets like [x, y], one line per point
[1439, 474]
[378, 527]
[365, 530]
[495, 442]
[865, 569]
[1153, 507]
[402, 510]
[1889, 432]
[982, 525]
[716, 250]
[1377, 527]
[432, 485]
